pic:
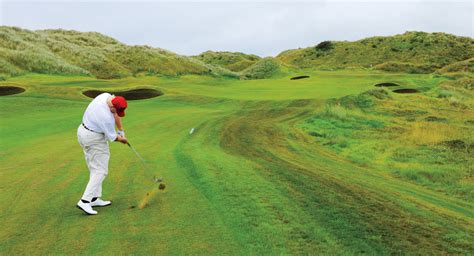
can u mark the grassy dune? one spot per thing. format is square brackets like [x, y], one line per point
[411, 52]
[87, 53]
[327, 164]
[93, 54]
[234, 61]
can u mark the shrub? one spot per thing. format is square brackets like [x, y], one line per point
[324, 46]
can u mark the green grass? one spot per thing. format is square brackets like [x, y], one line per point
[324, 165]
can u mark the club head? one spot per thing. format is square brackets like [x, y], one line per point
[157, 180]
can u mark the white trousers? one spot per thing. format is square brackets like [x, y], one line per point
[97, 153]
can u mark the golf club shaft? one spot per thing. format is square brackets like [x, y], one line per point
[143, 162]
[136, 153]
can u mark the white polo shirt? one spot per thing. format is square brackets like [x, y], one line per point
[98, 117]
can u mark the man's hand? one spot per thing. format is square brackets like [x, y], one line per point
[121, 139]
[121, 133]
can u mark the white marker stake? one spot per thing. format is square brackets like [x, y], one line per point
[192, 130]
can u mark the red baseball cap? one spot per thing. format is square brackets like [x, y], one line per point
[120, 105]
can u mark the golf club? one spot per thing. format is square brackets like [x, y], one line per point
[145, 201]
[155, 179]
[136, 153]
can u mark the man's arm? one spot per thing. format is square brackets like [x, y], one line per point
[118, 122]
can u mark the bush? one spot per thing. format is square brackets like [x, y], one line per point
[324, 46]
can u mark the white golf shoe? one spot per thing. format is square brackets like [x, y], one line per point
[100, 202]
[86, 207]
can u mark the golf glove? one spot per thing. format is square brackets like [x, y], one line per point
[121, 133]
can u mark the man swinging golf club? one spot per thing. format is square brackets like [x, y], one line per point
[101, 117]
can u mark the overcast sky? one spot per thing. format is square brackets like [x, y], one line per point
[262, 27]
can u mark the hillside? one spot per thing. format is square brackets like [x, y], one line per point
[93, 54]
[411, 52]
[460, 68]
[234, 61]
[264, 68]
[86, 53]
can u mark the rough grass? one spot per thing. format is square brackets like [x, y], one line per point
[465, 66]
[234, 61]
[264, 68]
[419, 138]
[406, 68]
[86, 53]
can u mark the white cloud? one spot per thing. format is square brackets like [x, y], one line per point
[264, 27]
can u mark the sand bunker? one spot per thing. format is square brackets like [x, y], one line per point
[136, 94]
[298, 77]
[10, 90]
[406, 91]
[386, 85]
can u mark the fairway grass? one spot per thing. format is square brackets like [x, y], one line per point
[329, 164]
